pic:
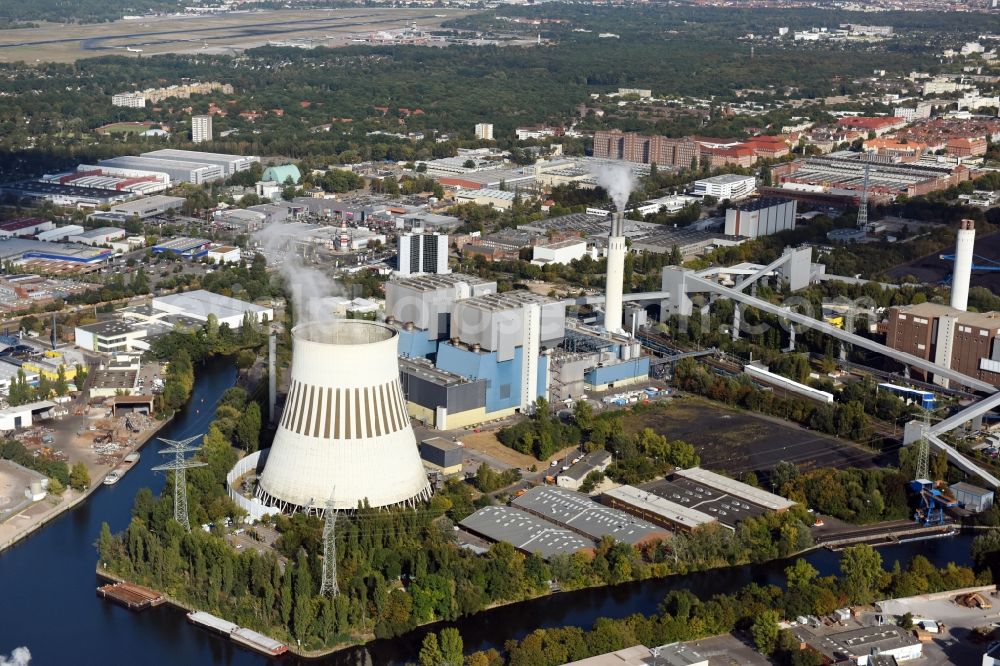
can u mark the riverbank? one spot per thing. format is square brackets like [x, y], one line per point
[11, 533]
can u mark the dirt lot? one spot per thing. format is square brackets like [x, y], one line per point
[738, 441]
[222, 34]
[487, 442]
[933, 269]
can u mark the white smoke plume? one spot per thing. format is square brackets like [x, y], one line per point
[19, 657]
[619, 182]
[309, 287]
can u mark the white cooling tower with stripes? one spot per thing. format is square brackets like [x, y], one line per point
[344, 432]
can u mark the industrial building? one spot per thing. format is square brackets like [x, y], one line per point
[423, 253]
[657, 510]
[579, 513]
[230, 164]
[441, 399]
[858, 644]
[99, 236]
[422, 307]
[344, 437]
[23, 416]
[132, 330]
[674, 654]
[729, 186]
[131, 181]
[723, 499]
[180, 171]
[64, 195]
[843, 173]
[22, 227]
[951, 338]
[57, 257]
[761, 217]
[525, 532]
[970, 497]
[144, 208]
[188, 248]
[225, 254]
[442, 454]
[785, 385]
[199, 304]
[595, 461]
[560, 252]
[59, 233]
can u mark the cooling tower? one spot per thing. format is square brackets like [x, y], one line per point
[616, 274]
[344, 432]
[962, 272]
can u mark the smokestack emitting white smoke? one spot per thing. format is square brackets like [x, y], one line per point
[19, 657]
[309, 287]
[619, 183]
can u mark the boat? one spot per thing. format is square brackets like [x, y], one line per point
[127, 463]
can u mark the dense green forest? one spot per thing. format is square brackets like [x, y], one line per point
[50, 110]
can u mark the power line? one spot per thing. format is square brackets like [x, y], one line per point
[179, 466]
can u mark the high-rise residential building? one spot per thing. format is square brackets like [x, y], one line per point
[201, 129]
[132, 100]
[423, 253]
[484, 131]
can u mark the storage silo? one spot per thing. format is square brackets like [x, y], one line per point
[344, 433]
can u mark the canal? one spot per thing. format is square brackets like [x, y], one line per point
[47, 584]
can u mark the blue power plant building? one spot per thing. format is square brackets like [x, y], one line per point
[471, 354]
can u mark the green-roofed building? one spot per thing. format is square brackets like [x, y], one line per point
[280, 174]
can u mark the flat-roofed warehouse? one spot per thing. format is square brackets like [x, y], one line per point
[656, 509]
[578, 512]
[180, 171]
[230, 164]
[525, 532]
[727, 500]
[198, 304]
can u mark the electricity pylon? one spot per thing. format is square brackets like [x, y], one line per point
[329, 583]
[179, 466]
[924, 450]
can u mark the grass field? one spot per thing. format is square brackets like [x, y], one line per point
[220, 34]
[124, 128]
[738, 441]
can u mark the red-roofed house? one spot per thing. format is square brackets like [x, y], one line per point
[741, 155]
[966, 147]
[880, 124]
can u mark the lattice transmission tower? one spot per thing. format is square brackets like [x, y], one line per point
[863, 206]
[329, 581]
[179, 466]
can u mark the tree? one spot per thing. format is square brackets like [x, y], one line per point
[79, 477]
[451, 647]
[430, 653]
[248, 429]
[62, 387]
[863, 574]
[800, 574]
[765, 631]
[305, 613]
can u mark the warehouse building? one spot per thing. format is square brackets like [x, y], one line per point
[224, 254]
[972, 498]
[111, 336]
[59, 233]
[180, 171]
[858, 645]
[442, 454]
[199, 304]
[229, 164]
[100, 236]
[23, 227]
[560, 252]
[23, 416]
[57, 256]
[761, 217]
[656, 509]
[147, 207]
[63, 195]
[525, 532]
[579, 513]
[727, 186]
[188, 248]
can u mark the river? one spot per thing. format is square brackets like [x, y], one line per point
[47, 583]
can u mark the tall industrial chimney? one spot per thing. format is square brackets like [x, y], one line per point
[962, 272]
[616, 274]
[272, 376]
